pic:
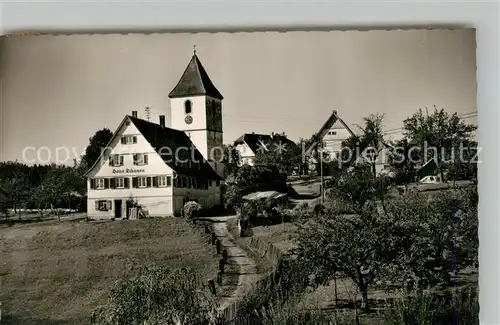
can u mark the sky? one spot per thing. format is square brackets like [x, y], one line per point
[57, 91]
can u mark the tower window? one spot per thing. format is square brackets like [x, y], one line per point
[188, 107]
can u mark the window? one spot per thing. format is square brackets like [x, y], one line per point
[103, 205]
[99, 183]
[140, 159]
[129, 139]
[120, 182]
[188, 107]
[142, 181]
[162, 181]
[116, 160]
[332, 133]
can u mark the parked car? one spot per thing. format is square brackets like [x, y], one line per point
[431, 180]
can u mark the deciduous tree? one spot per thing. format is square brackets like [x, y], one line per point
[440, 131]
[98, 142]
[359, 246]
[231, 161]
[403, 161]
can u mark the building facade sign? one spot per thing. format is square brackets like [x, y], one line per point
[128, 171]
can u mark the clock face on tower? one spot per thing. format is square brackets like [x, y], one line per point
[188, 119]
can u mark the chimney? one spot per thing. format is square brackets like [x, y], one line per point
[134, 113]
[272, 134]
[162, 121]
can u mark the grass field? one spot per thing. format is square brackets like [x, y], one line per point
[58, 272]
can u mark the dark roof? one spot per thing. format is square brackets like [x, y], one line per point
[195, 81]
[163, 137]
[253, 140]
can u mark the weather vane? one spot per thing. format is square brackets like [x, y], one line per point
[194, 49]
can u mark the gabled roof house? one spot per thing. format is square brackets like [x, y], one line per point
[250, 144]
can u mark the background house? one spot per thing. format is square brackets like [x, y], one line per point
[251, 144]
[329, 138]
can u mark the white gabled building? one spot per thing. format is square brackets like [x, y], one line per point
[158, 167]
[251, 144]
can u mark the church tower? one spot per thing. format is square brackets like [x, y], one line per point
[196, 108]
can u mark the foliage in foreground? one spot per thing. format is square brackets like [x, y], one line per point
[278, 302]
[426, 308]
[158, 296]
[410, 308]
[191, 210]
[410, 241]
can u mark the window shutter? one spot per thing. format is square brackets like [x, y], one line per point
[155, 181]
[176, 182]
[135, 159]
[108, 205]
[126, 182]
[92, 184]
[148, 181]
[97, 205]
[111, 160]
[121, 160]
[145, 159]
[169, 181]
[124, 140]
[106, 183]
[134, 182]
[112, 183]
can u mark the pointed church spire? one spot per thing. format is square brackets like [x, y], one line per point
[195, 81]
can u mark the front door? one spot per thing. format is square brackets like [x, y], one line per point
[118, 209]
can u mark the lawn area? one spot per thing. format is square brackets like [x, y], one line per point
[58, 272]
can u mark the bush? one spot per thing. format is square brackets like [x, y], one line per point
[158, 296]
[232, 198]
[252, 175]
[246, 229]
[192, 210]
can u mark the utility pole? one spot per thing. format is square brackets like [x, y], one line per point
[321, 172]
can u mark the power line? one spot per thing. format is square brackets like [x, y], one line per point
[462, 116]
[250, 119]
